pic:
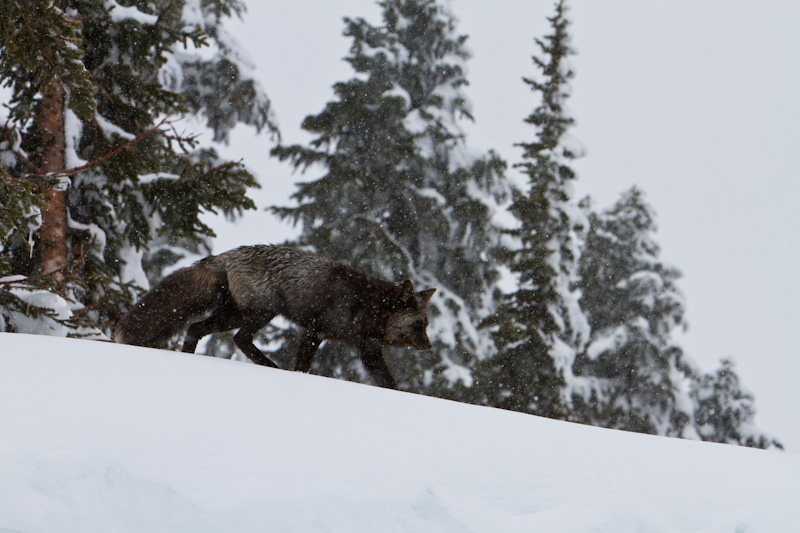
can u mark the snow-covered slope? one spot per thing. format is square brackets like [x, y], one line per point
[98, 437]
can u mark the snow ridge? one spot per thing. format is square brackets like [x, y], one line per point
[102, 437]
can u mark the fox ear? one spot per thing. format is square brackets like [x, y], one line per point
[407, 291]
[425, 296]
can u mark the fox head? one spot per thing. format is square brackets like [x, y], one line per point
[406, 326]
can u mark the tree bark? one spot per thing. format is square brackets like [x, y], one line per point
[53, 233]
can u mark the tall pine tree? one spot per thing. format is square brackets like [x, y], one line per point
[100, 180]
[400, 195]
[539, 328]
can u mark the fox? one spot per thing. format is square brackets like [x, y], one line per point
[245, 288]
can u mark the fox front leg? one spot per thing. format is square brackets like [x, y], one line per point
[373, 361]
[309, 343]
[244, 340]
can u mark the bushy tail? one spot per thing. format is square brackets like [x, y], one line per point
[183, 297]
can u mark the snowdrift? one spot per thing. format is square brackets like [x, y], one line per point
[98, 437]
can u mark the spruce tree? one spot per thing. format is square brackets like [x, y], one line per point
[99, 181]
[635, 374]
[539, 328]
[400, 195]
[724, 411]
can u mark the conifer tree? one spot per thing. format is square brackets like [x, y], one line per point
[98, 182]
[724, 411]
[539, 328]
[635, 374]
[400, 195]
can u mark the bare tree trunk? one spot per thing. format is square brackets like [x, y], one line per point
[53, 233]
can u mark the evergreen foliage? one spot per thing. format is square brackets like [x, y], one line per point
[42, 48]
[724, 411]
[400, 195]
[539, 328]
[633, 375]
[134, 187]
[634, 372]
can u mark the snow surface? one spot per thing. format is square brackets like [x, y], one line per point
[120, 14]
[103, 437]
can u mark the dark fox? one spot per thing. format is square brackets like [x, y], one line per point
[247, 287]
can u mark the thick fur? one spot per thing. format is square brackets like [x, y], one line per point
[247, 287]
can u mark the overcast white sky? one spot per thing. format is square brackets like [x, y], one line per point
[694, 101]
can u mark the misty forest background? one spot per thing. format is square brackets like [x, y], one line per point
[545, 304]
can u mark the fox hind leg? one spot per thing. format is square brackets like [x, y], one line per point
[213, 324]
